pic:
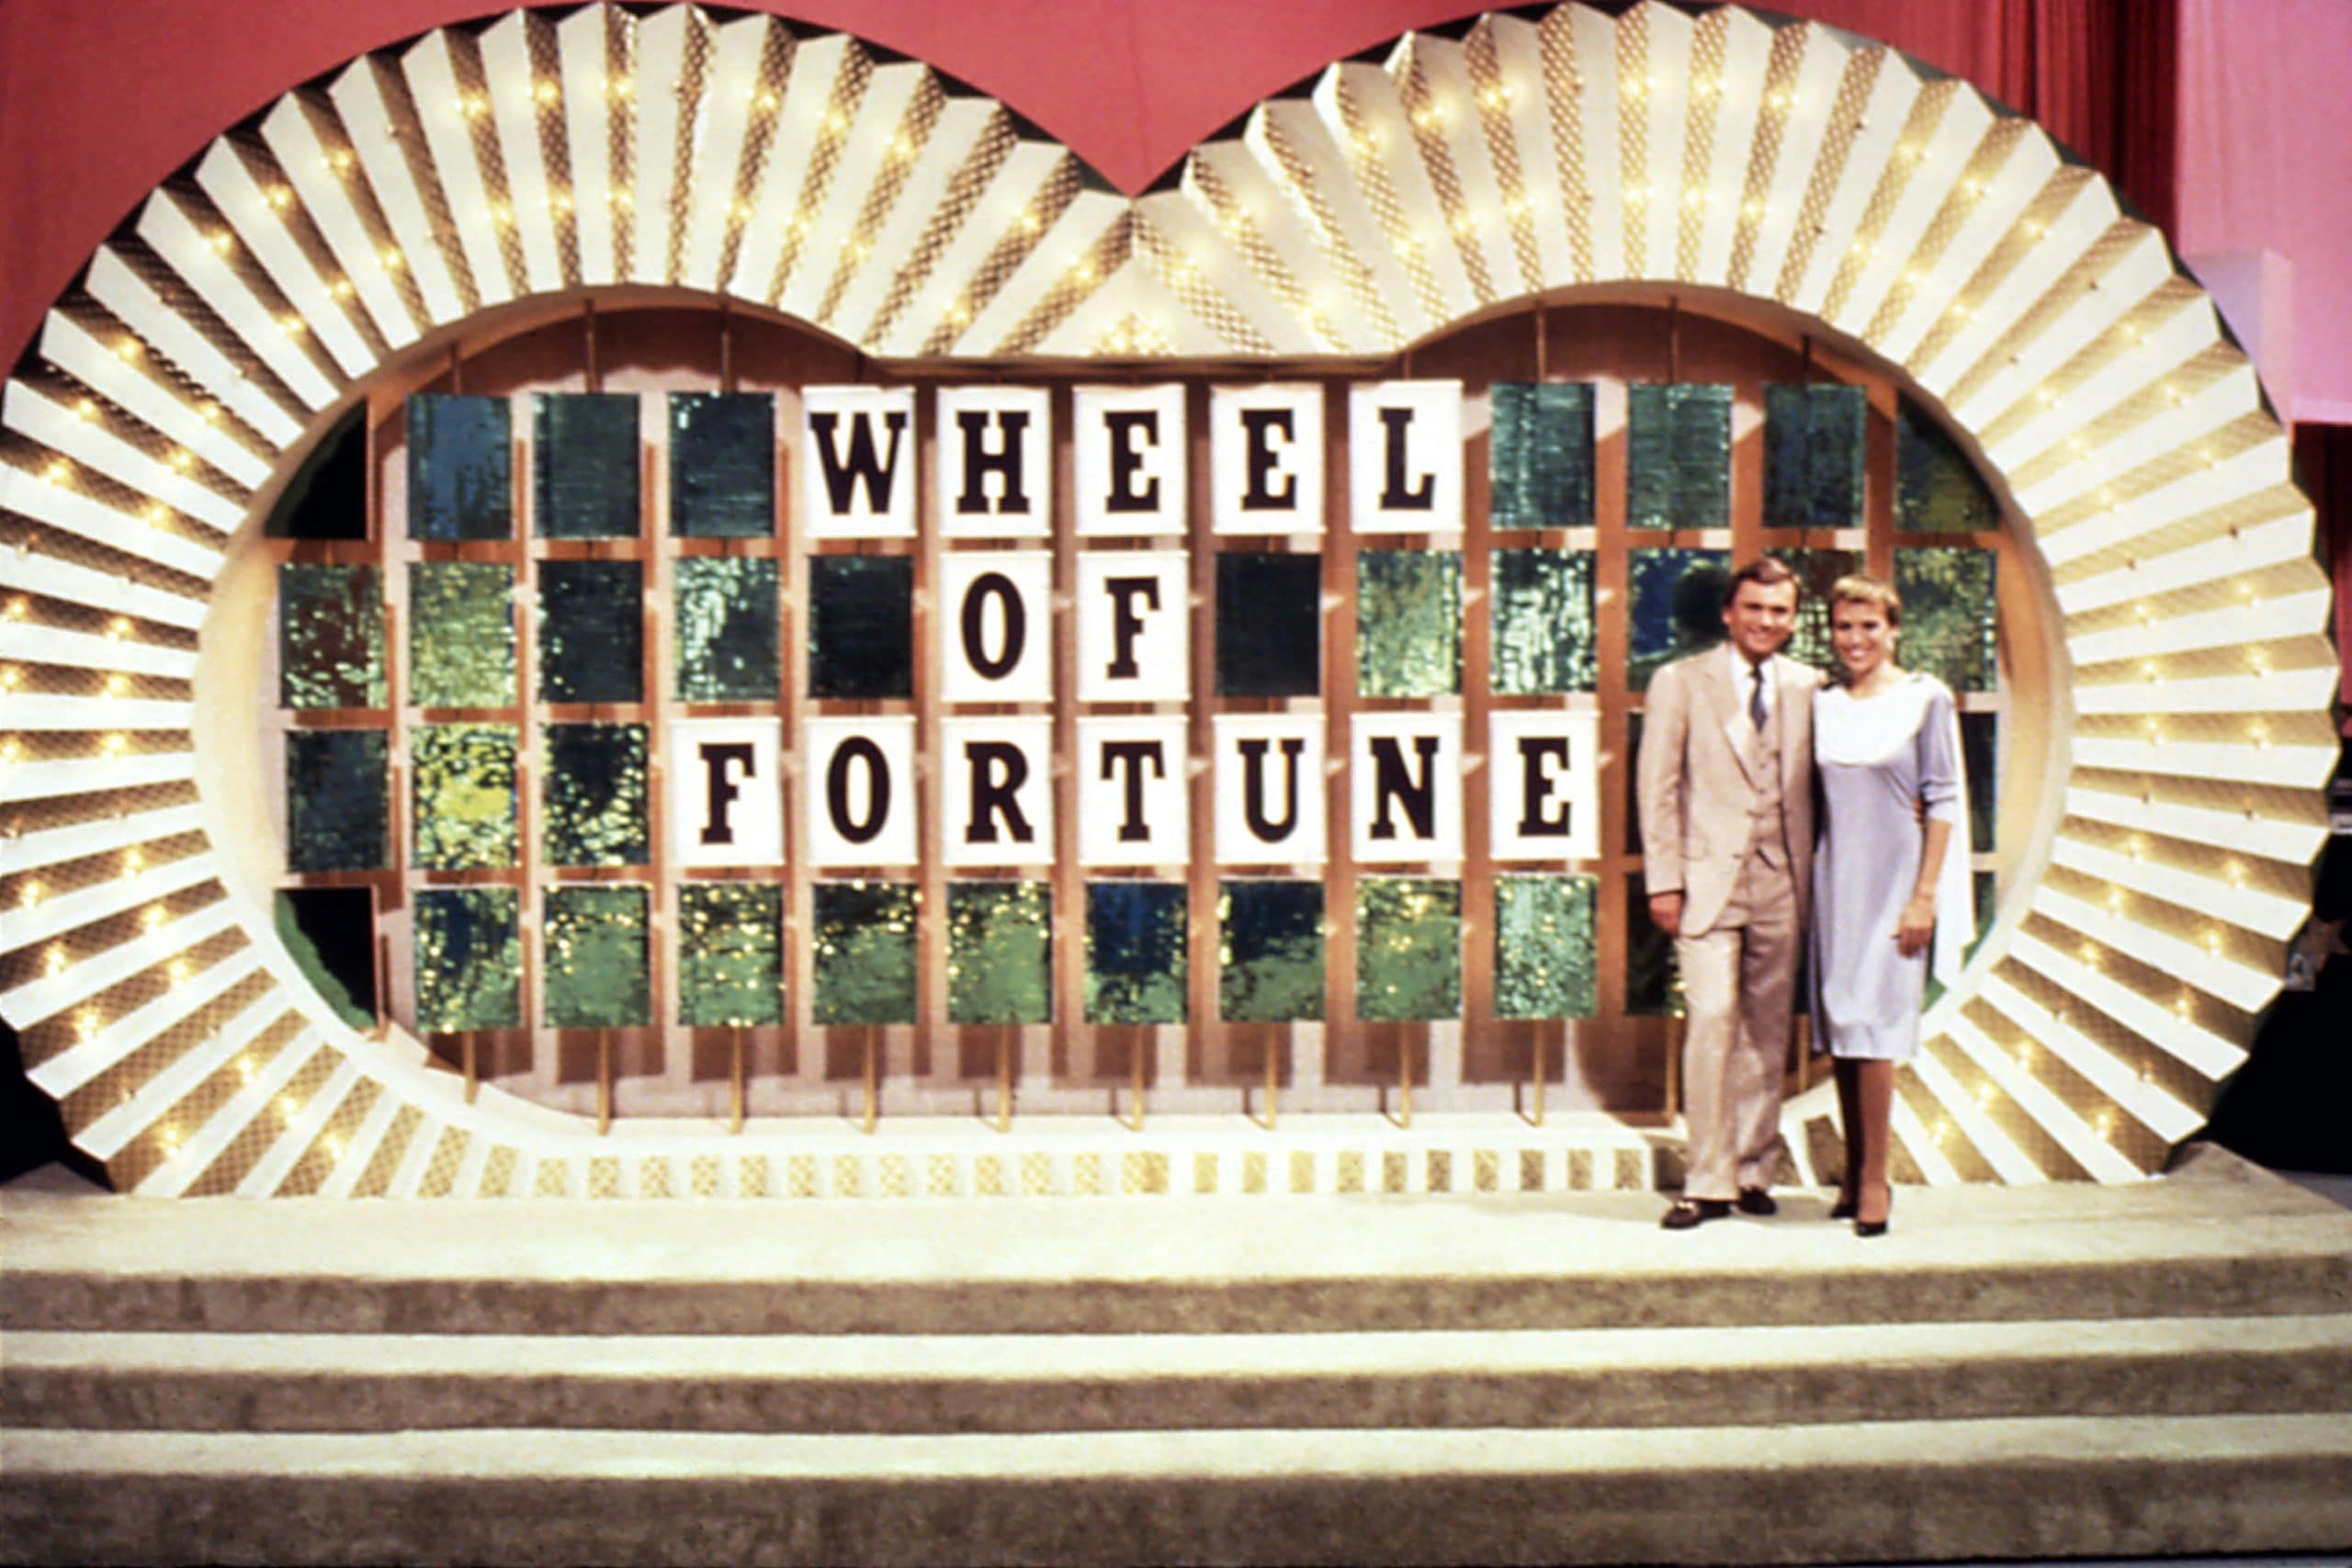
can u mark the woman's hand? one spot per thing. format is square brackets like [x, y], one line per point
[1917, 924]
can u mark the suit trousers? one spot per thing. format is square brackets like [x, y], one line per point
[1738, 983]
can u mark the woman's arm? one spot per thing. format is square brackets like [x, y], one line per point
[1939, 796]
[1918, 921]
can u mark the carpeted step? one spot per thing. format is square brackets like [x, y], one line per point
[1883, 1491]
[1217, 1266]
[1590, 1378]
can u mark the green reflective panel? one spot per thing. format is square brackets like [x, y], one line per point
[1269, 625]
[460, 635]
[862, 627]
[469, 958]
[465, 794]
[1135, 958]
[1813, 455]
[1269, 958]
[584, 466]
[999, 952]
[1936, 487]
[595, 973]
[1408, 948]
[592, 631]
[1980, 744]
[1544, 946]
[1677, 607]
[1819, 571]
[727, 630]
[461, 468]
[593, 794]
[1949, 615]
[1652, 987]
[330, 636]
[864, 952]
[722, 465]
[1544, 625]
[1539, 454]
[1408, 623]
[730, 952]
[1678, 456]
[337, 811]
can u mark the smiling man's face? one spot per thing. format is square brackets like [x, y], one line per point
[1760, 618]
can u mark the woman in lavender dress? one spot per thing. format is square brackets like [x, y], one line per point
[1884, 745]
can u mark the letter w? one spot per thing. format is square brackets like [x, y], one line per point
[861, 465]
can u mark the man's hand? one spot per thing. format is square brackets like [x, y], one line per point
[1666, 912]
[1917, 924]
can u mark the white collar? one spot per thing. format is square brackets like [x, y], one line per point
[1741, 684]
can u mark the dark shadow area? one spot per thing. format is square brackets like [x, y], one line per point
[2286, 1108]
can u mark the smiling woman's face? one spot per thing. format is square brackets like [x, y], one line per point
[1862, 634]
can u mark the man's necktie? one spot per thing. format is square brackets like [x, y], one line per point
[1756, 696]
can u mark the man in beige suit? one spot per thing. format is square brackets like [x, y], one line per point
[1726, 778]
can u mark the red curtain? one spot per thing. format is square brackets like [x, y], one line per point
[2101, 74]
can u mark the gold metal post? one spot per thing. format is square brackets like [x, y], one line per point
[1004, 1078]
[1134, 1091]
[1273, 1081]
[1405, 1084]
[473, 1080]
[871, 1109]
[603, 1081]
[1540, 1075]
[735, 1064]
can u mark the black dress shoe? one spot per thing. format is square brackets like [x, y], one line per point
[1691, 1212]
[1755, 1200]
[1844, 1208]
[1876, 1227]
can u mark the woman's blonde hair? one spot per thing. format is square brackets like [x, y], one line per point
[1861, 588]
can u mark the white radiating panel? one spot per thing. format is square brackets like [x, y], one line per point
[373, 109]
[66, 343]
[835, 248]
[320, 181]
[776, 222]
[515, 93]
[446, 114]
[169, 231]
[257, 217]
[588, 96]
[161, 329]
[728, 107]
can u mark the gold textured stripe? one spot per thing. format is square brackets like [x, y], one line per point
[841, 113]
[1764, 156]
[989, 153]
[899, 163]
[2013, 251]
[1927, 113]
[1855, 85]
[259, 1136]
[1710, 49]
[1492, 94]
[1054, 197]
[1563, 99]
[441, 1169]
[376, 1178]
[326, 1150]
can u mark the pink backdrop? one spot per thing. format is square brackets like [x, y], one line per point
[99, 102]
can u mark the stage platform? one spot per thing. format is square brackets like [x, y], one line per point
[2157, 1370]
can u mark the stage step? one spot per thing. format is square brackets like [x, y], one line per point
[1883, 1491]
[2152, 1371]
[1040, 1383]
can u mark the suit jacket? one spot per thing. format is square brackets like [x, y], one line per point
[1693, 785]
